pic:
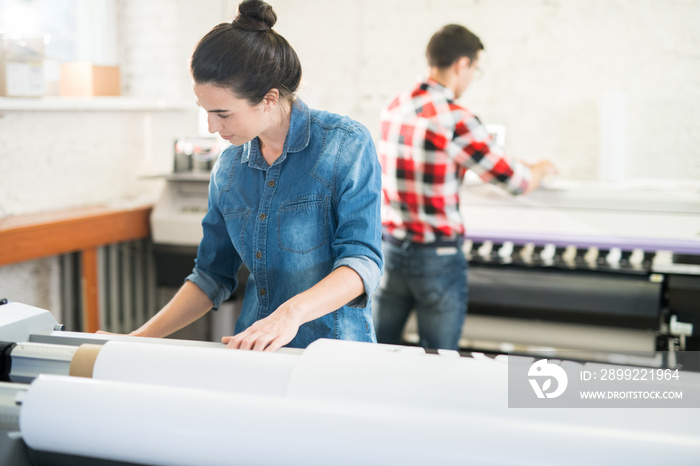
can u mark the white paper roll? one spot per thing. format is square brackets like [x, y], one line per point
[177, 426]
[331, 369]
[194, 367]
[220, 368]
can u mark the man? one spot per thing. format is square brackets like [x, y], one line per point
[427, 144]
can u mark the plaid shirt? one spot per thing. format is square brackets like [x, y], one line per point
[427, 144]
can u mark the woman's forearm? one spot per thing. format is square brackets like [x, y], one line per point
[189, 304]
[336, 290]
[279, 328]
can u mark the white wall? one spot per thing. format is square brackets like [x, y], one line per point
[54, 159]
[548, 64]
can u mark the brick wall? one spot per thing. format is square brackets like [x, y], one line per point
[548, 66]
[54, 159]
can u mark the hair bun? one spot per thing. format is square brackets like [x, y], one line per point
[255, 15]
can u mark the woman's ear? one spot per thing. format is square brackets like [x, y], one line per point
[271, 99]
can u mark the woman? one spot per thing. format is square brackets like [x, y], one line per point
[296, 198]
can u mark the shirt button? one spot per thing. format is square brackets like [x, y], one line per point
[258, 254]
[262, 291]
[262, 216]
[271, 183]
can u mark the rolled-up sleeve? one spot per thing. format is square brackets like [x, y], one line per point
[216, 292]
[369, 272]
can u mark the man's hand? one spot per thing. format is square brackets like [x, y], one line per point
[539, 171]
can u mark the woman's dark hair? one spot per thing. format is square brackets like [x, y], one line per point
[247, 56]
[450, 43]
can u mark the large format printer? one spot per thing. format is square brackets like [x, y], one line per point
[583, 266]
[76, 399]
[573, 265]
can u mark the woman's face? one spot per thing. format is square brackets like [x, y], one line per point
[233, 118]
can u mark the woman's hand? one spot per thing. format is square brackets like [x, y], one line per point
[270, 333]
[279, 328]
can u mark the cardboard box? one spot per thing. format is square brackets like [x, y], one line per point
[83, 79]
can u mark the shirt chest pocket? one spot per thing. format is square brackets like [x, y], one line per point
[236, 221]
[302, 224]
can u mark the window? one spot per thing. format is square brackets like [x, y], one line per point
[50, 32]
[72, 30]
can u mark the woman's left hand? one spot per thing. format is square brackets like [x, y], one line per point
[268, 334]
[279, 328]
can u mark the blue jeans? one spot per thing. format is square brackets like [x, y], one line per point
[431, 280]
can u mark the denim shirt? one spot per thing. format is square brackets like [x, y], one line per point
[316, 208]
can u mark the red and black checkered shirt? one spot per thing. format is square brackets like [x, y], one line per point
[427, 144]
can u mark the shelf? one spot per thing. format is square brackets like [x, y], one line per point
[33, 236]
[183, 176]
[17, 104]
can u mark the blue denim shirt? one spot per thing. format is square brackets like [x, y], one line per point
[316, 208]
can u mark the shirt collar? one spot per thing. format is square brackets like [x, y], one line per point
[436, 86]
[298, 135]
[299, 127]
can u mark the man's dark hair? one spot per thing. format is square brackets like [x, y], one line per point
[247, 56]
[450, 43]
